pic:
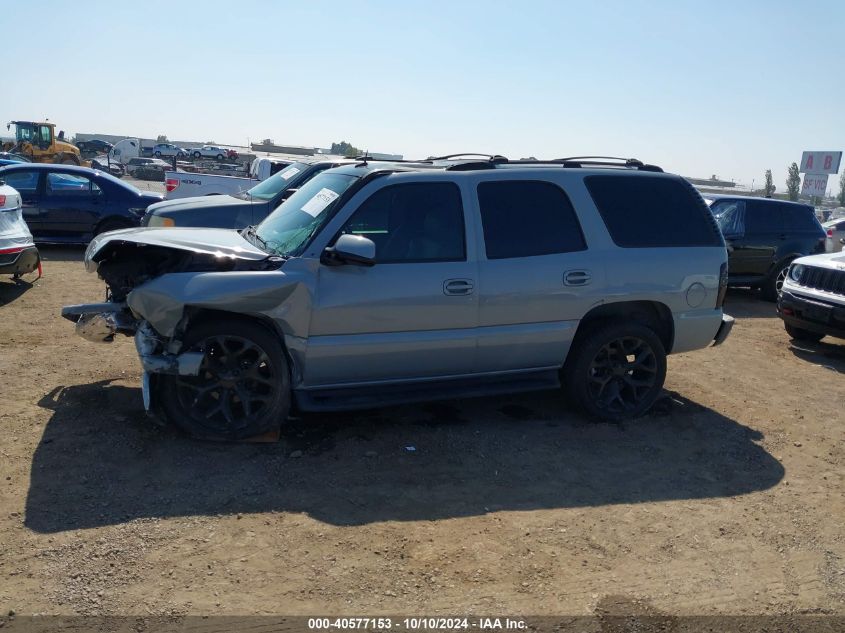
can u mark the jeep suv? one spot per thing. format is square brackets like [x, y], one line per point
[382, 283]
[812, 303]
[764, 236]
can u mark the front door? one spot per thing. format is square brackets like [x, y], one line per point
[411, 316]
[754, 250]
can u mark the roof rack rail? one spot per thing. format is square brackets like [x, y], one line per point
[592, 161]
[468, 154]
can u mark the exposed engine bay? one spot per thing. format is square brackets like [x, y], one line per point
[126, 265]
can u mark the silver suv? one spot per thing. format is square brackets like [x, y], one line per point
[382, 283]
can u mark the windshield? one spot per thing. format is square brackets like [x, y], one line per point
[275, 184]
[292, 224]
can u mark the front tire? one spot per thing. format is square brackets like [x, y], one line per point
[157, 154]
[800, 334]
[219, 156]
[243, 387]
[773, 285]
[615, 371]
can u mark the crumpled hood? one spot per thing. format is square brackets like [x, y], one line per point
[196, 202]
[835, 261]
[217, 242]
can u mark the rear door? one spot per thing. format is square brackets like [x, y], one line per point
[535, 280]
[411, 316]
[71, 205]
[802, 232]
[28, 183]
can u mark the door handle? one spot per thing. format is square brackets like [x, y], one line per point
[458, 287]
[577, 277]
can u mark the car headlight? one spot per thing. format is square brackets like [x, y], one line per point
[795, 272]
[158, 220]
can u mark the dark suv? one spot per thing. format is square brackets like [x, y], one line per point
[763, 237]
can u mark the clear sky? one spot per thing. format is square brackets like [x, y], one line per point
[701, 88]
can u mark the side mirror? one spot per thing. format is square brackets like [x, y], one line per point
[842, 240]
[350, 249]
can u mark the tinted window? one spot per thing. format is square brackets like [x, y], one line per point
[647, 211]
[527, 218]
[420, 222]
[23, 181]
[763, 217]
[798, 218]
[69, 185]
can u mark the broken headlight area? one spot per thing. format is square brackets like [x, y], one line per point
[126, 265]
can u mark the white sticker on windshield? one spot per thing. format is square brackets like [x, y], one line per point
[290, 172]
[320, 201]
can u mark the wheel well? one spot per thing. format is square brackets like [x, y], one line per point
[112, 219]
[653, 314]
[202, 315]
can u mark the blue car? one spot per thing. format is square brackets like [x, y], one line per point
[65, 204]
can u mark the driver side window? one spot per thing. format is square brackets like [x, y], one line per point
[419, 222]
[730, 216]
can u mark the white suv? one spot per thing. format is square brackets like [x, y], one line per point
[812, 302]
[380, 283]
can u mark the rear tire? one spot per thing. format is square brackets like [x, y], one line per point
[800, 334]
[197, 155]
[615, 371]
[242, 390]
[157, 154]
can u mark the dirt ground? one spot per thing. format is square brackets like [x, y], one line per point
[728, 499]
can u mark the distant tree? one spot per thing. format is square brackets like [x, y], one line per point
[841, 195]
[268, 141]
[713, 177]
[769, 187]
[345, 149]
[211, 143]
[793, 182]
[161, 138]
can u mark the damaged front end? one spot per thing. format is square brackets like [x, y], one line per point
[127, 260]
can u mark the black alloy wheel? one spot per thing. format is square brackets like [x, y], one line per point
[616, 371]
[242, 386]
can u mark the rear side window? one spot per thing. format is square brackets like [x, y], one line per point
[763, 217]
[798, 218]
[647, 212]
[523, 218]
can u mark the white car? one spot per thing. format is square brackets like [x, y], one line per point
[168, 149]
[209, 151]
[18, 254]
[835, 230]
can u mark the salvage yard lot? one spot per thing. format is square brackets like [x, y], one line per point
[728, 498]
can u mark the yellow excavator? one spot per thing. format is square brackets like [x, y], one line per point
[36, 140]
